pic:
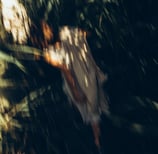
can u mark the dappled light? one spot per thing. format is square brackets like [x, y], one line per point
[15, 20]
[78, 77]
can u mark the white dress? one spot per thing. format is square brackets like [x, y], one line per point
[75, 54]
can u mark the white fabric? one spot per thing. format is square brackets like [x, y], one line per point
[75, 54]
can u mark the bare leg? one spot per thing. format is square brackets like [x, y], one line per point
[96, 133]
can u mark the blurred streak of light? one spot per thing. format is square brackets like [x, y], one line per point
[15, 20]
[23, 49]
[65, 34]
[155, 61]
[7, 121]
[3, 66]
[57, 55]
[11, 59]
[4, 104]
[155, 104]
[47, 31]
[137, 127]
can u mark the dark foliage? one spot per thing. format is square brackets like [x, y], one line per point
[122, 35]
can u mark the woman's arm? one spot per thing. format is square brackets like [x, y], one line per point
[55, 62]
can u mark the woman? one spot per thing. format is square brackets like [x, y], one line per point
[82, 78]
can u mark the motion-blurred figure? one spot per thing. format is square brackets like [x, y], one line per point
[82, 78]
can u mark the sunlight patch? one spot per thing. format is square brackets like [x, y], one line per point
[15, 20]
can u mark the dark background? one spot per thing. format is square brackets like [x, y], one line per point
[122, 35]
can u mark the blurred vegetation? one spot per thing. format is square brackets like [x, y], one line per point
[122, 35]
